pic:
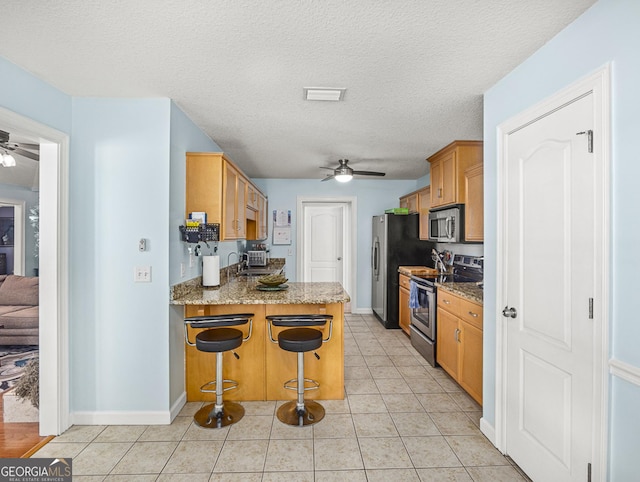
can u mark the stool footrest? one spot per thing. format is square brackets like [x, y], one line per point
[234, 385]
[293, 384]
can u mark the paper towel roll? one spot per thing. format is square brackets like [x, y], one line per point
[211, 271]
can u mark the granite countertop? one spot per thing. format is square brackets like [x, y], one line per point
[242, 290]
[469, 291]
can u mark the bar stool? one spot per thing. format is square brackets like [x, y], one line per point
[300, 340]
[218, 340]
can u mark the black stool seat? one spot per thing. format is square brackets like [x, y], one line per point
[300, 339]
[218, 340]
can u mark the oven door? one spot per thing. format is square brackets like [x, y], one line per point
[424, 317]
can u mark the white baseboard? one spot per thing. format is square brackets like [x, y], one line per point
[177, 406]
[488, 430]
[121, 418]
[625, 371]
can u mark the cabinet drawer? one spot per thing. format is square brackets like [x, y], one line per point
[470, 312]
[448, 302]
[404, 281]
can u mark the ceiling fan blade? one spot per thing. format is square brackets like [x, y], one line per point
[330, 168]
[31, 147]
[327, 178]
[369, 173]
[24, 153]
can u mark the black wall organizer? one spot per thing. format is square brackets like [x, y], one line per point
[203, 232]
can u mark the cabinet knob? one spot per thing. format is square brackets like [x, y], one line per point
[475, 315]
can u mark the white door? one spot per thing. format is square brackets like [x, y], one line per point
[549, 279]
[324, 242]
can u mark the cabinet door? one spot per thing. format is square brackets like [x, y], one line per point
[404, 312]
[470, 369]
[424, 203]
[447, 342]
[229, 210]
[436, 183]
[241, 203]
[261, 221]
[449, 178]
[474, 202]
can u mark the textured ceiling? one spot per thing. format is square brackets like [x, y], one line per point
[414, 71]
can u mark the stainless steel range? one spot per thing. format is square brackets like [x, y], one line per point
[466, 269]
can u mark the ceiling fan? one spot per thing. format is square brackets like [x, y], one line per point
[344, 173]
[30, 151]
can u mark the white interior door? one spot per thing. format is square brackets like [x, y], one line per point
[549, 279]
[324, 242]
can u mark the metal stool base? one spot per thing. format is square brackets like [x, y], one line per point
[231, 413]
[288, 413]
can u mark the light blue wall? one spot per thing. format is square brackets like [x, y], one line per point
[30, 198]
[373, 197]
[607, 32]
[119, 193]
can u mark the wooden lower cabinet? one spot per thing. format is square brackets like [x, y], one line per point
[404, 312]
[459, 341]
[263, 366]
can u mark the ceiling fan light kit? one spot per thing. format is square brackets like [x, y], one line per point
[7, 160]
[344, 173]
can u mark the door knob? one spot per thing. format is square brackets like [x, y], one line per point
[339, 258]
[509, 312]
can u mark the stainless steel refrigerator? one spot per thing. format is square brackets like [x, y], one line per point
[395, 243]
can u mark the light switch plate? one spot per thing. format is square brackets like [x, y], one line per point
[142, 274]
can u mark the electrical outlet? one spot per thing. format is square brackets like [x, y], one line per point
[183, 270]
[290, 252]
[142, 274]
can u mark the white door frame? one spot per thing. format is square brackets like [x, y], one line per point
[350, 237]
[18, 233]
[53, 269]
[599, 84]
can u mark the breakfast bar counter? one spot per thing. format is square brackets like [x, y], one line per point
[262, 366]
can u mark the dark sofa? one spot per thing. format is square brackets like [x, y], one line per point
[19, 297]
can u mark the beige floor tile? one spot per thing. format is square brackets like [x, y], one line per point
[242, 456]
[370, 348]
[195, 432]
[287, 477]
[386, 475]
[384, 453]
[374, 425]
[475, 417]
[402, 402]
[236, 477]
[183, 477]
[251, 427]
[385, 372]
[431, 451]
[61, 450]
[414, 371]
[367, 404]
[458, 474]
[426, 384]
[448, 385]
[145, 458]
[337, 454]
[130, 478]
[336, 406]
[392, 385]
[100, 458]
[194, 456]
[88, 478]
[466, 403]
[437, 402]
[476, 450]
[354, 361]
[190, 409]
[454, 423]
[360, 386]
[398, 351]
[121, 433]
[414, 424]
[404, 360]
[289, 456]
[166, 433]
[378, 361]
[259, 407]
[80, 433]
[356, 373]
[341, 476]
[495, 474]
[280, 431]
[335, 425]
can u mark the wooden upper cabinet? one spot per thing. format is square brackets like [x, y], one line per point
[252, 197]
[262, 217]
[447, 171]
[216, 186]
[410, 201]
[424, 204]
[474, 202]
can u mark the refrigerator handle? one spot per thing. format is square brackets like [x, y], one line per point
[374, 258]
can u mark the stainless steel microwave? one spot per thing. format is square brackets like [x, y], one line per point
[446, 225]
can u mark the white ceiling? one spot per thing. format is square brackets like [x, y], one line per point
[415, 71]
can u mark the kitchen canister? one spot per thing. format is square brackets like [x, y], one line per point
[211, 271]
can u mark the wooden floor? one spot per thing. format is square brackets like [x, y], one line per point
[19, 439]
